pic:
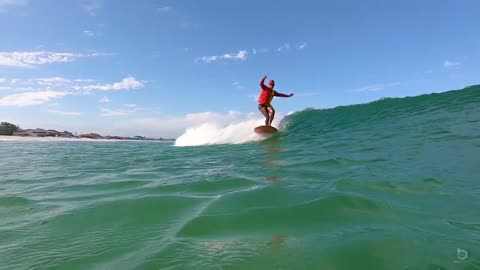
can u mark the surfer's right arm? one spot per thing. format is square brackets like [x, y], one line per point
[262, 82]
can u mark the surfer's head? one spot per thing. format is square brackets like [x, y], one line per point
[271, 83]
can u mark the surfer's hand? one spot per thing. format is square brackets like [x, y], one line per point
[291, 95]
[264, 77]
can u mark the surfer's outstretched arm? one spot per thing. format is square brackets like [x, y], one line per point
[282, 95]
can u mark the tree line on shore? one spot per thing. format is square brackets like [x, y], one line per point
[8, 129]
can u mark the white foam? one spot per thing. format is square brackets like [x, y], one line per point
[214, 133]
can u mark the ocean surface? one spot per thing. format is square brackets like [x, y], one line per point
[392, 184]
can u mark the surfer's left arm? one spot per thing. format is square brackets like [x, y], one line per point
[277, 94]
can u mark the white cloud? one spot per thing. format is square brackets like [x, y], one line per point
[222, 118]
[131, 105]
[104, 100]
[12, 81]
[209, 59]
[84, 86]
[84, 80]
[125, 84]
[450, 64]
[5, 88]
[5, 4]
[25, 89]
[238, 85]
[31, 85]
[92, 6]
[164, 9]
[285, 47]
[88, 33]
[112, 112]
[202, 117]
[52, 81]
[28, 59]
[375, 87]
[65, 113]
[119, 112]
[163, 126]
[30, 98]
[370, 88]
[241, 55]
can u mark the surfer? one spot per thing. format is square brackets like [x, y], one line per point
[265, 99]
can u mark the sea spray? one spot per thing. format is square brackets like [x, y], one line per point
[214, 133]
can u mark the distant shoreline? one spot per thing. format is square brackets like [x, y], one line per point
[51, 133]
[74, 139]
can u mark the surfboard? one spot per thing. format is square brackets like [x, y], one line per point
[265, 130]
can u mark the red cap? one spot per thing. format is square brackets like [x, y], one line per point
[272, 82]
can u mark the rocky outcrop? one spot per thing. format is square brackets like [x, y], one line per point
[91, 136]
[38, 132]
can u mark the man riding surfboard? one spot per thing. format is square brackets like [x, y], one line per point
[265, 99]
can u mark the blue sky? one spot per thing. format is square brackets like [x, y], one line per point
[156, 67]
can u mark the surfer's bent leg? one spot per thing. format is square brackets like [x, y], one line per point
[262, 108]
[271, 111]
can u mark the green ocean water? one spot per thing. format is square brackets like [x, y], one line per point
[393, 184]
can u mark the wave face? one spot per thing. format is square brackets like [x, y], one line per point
[419, 117]
[392, 184]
